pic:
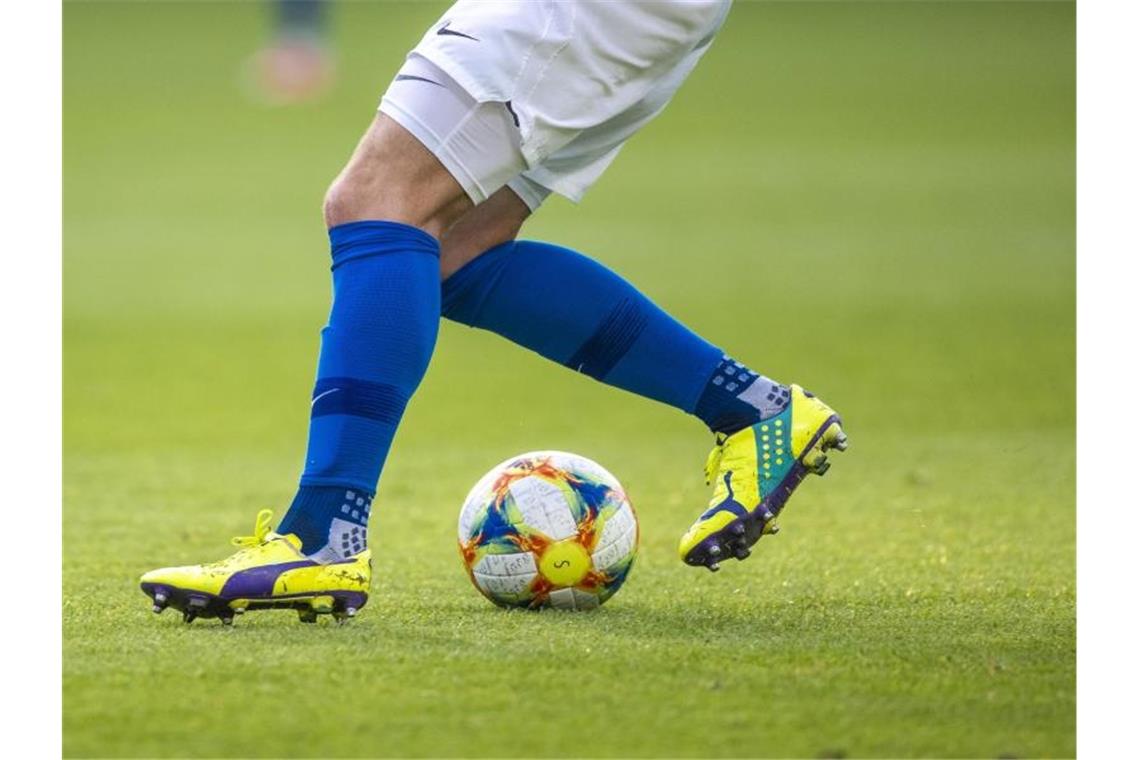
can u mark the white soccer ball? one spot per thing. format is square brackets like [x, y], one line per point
[548, 528]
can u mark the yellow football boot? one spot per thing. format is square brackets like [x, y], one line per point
[754, 471]
[268, 572]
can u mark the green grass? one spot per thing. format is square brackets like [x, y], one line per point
[875, 200]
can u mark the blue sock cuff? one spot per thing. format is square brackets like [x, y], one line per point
[464, 292]
[358, 240]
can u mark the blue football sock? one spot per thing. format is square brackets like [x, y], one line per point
[374, 352]
[577, 312]
[331, 521]
[735, 397]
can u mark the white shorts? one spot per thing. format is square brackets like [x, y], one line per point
[540, 95]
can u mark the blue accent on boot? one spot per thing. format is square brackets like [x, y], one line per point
[728, 503]
[577, 312]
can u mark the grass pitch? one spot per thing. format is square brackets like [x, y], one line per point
[874, 200]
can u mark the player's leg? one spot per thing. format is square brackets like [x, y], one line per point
[432, 154]
[575, 311]
[386, 305]
[384, 213]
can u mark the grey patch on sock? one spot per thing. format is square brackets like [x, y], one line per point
[326, 556]
[769, 397]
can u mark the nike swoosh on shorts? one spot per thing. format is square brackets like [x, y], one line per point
[443, 30]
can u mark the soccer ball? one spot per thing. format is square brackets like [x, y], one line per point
[548, 529]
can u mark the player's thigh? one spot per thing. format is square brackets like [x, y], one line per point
[432, 153]
[476, 144]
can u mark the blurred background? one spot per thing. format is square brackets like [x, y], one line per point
[875, 200]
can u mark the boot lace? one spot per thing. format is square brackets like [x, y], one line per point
[260, 531]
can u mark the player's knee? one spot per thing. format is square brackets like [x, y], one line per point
[343, 203]
[358, 195]
[382, 192]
